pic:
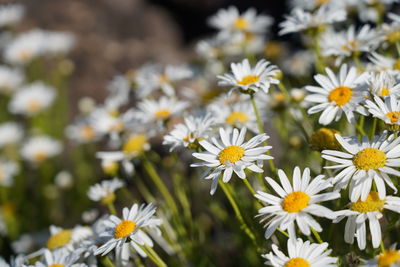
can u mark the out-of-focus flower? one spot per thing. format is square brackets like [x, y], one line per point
[10, 79]
[39, 148]
[104, 191]
[67, 239]
[10, 133]
[383, 84]
[8, 169]
[11, 14]
[64, 180]
[324, 138]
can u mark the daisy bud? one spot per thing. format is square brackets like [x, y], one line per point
[324, 138]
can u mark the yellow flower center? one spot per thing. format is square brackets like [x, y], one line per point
[340, 95]
[351, 45]
[59, 239]
[124, 228]
[388, 257]
[249, 79]
[87, 132]
[241, 24]
[135, 144]
[235, 117]
[321, 2]
[34, 105]
[396, 65]
[369, 158]
[2, 174]
[393, 37]
[110, 168]
[56, 265]
[324, 138]
[231, 154]
[162, 114]
[39, 156]
[385, 92]
[393, 116]
[372, 203]
[295, 202]
[25, 55]
[297, 262]
[110, 198]
[163, 78]
[117, 127]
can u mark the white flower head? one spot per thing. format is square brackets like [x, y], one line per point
[295, 204]
[104, 191]
[384, 64]
[337, 95]
[10, 133]
[32, 99]
[8, 169]
[11, 14]
[132, 227]
[301, 254]
[39, 148]
[362, 163]
[383, 84]
[82, 132]
[232, 155]
[10, 79]
[59, 257]
[388, 110]
[390, 257]
[247, 78]
[360, 212]
[67, 239]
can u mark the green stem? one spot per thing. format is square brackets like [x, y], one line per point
[317, 236]
[111, 208]
[373, 129]
[107, 262]
[248, 185]
[154, 256]
[238, 214]
[360, 126]
[382, 246]
[261, 129]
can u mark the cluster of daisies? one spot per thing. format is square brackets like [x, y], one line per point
[160, 120]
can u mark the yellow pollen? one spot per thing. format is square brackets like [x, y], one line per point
[372, 203]
[369, 158]
[25, 55]
[351, 45]
[396, 65]
[393, 116]
[236, 117]
[59, 239]
[249, 79]
[124, 228]
[34, 105]
[56, 265]
[295, 202]
[117, 127]
[231, 154]
[110, 198]
[87, 132]
[321, 2]
[163, 78]
[162, 114]
[188, 137]
[340, 95]
[385, 92]
[135, 144]
[40, 156]
[297, 262]
[388, 257]
[110, 168]
[393, 37]
[241, 24]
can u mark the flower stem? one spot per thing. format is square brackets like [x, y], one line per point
[111, 208]
[154, 256]
[317, 236]
[107, 262]
[373, 129]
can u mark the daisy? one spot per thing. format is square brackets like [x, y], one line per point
[300, 20]
[383, 84]
[190, 132]
[392, 30]
[130, 229]
[11, 14]
[388, 111]
[82, 132]
[152, 77]
[104, 191]
[32, 99]
[337, 95]
[229, 21]
[39, 148]
[67, 239]
[11, 133]
[250, 79]
[388, 258]
[57, 43]
[10, 79]
[370, 210]
[361, 163]
[8, 169]
[387, 64]
[301, 254]
[295, 203]
[232, 155]
[59, 257]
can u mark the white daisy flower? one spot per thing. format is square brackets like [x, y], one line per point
[295, 203]
[300, 63]
[59, 257]
[8, 169]
[18, 261]
[247, 78]
[159, 110]
[345, 43]
[360, 211]
[301, 20]
[130, 229]
[10, 79]
[32, 99]
[388, 258]
[194, 129]
[152, 77]
[383, 63]
[57, 43]
[301, 254]
[11, 14]
[313, 4]
[383, 84]
[81, 132]
[229, 21]
[337, 95]
[388, 111]
[104, 191]
[361, 163]
[39, 148]
[67, 239]
[10, 133]
[232, 155]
